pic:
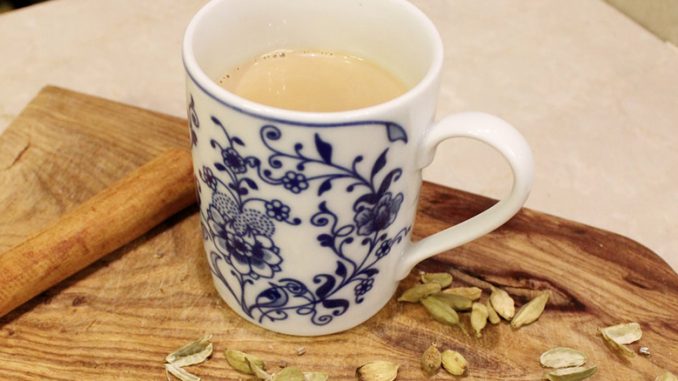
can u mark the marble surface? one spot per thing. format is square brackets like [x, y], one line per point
[594, 93]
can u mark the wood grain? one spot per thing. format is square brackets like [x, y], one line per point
[119, 318]
[112, 218]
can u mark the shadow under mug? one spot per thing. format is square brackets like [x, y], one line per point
[307, 217]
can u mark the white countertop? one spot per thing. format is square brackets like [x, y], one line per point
[595, 94]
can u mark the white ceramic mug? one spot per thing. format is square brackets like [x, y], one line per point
[307, 216]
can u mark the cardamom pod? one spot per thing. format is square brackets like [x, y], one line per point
[666, 376]
[624, 333]
[189, 349]
[458, 302]
[431, 360]
[473, 293]
[258, 370]
[195, 358]
[316, 376]
[289, 374]
[479, 317]
[618, 335]
[377, 371]
[416, 293]
[443, 279]
[180, 373]
[239, 361]
[440, 311]
[502, 303]
[571, 374]
[492, 314]
[454, 363]
[531, 311]
[562, 357]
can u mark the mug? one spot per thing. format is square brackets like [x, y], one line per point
[306, 216]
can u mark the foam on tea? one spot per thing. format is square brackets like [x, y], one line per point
[317, 81]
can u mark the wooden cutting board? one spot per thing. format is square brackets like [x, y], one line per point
[120, 317]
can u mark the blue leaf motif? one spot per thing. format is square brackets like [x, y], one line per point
[379, 164]
[341, 269]
[338, 305]
[250, 183]
[325, 186]
[324, 149]
[325, 287]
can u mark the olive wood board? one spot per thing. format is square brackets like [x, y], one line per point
[119, 318]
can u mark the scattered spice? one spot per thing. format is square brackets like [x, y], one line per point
[502, 303]
[473, 293]
[454, 363]
[479, 315]
[440, 311]
[241, 361]
[377, 371]
[531, 311]
[576, 373]
[492, 314]
[431, 360]
[562, 357]
[443, 279]
[666, 376]
[192, 353]
[617, 336]
[301, 351]
[645, 351]
[457, 302]
[416, 293]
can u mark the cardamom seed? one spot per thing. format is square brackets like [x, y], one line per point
[180, 373]
[443, 279]
[645, 351]
[377, 371]
[239, 361]
[571, 374]
[502, 303]
[458, 302]
[562, 357]
[416, 293]
[316, 376]
[666, 376]
[492, 314]
[479, 317]
[618, 335]
[624, 333]
[454, 363]
[531, 311]
[189, 349]
[440, 311]
[289, 374]
[473, 293]
[431, 360]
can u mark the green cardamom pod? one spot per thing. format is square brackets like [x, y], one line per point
[617, 336]
[316, 376]
[666, 376]
[571, 374]
[458, 302]
[431, 360]
[473, 293]
[531, 311]
[492, 314]
[416, 293]
[479, 315]
[562, 357]
[189, 349]
[440, 311]
[502, 303]
[180, 373]
[454, 363]
[289, 374]
[377, 371]
[443, 279]
[239, 361]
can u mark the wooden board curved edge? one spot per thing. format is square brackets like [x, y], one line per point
[120, 317]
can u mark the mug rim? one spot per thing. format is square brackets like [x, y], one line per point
[231, 100]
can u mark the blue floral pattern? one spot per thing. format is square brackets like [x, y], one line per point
[242, 225]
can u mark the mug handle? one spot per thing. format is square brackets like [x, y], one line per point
[502, 137]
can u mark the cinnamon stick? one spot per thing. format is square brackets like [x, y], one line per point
[114, 217]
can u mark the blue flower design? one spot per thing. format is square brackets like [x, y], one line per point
[380, 216]
[364, 286]
[384, 248]
[295, 182]
[276, 209]
[233, 160]
[207, 177]
[243, 238]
